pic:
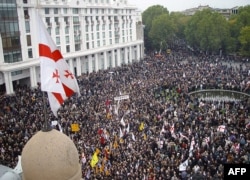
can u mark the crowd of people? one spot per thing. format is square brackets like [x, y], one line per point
[158, 131]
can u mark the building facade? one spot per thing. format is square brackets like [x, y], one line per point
[91, 35]
[225, 12]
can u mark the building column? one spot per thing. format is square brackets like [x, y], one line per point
[8, 83]
[90, 63]
[138, 52]
[1, 50]
[96, 62]
[78, 66]
[118, 53]
[130, 54]
[126, 55]
[105, 59]
[142, 51]
[113, 58]
[33, 79]
[71, 67]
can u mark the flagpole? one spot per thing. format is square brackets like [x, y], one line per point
[46, 126]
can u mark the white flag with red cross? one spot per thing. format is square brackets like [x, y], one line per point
[56, 78]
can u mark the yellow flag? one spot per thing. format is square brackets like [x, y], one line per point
[75, 127]
[141, 127]
[94, 160]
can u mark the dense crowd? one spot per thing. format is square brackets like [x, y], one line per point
[153, 133]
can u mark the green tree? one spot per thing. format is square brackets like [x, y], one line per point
[244, 39]
[236, 23]
[147, 19]
[162, 31]
[180, 20]
[208, 31]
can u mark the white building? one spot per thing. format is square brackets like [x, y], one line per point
[91, 34]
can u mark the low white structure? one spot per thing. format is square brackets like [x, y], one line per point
[91, 34]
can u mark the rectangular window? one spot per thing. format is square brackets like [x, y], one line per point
[57, 30]
[49, 30]
[47, 20]
[98, 35]
[28, 40]
[26, 14]
[67, 30]
[67, 39]
[76, 20]
[27, 26]
[46, 10]
[65, 10]
[30, 53]
[87, 37]
[75, 10]
[87, 28]
[103, 35]
[67, 48]
[92, 36]
[56, 19]
[97, 27]
[77, 47]
[103, 27]
[55, 10]
[77, 39]
[57, 40]
[66, 20]
[116, 40]
[104, 42]
[98, 43]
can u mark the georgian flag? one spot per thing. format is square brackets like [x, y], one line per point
[56, 78]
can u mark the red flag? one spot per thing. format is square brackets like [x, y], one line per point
[56, 78]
